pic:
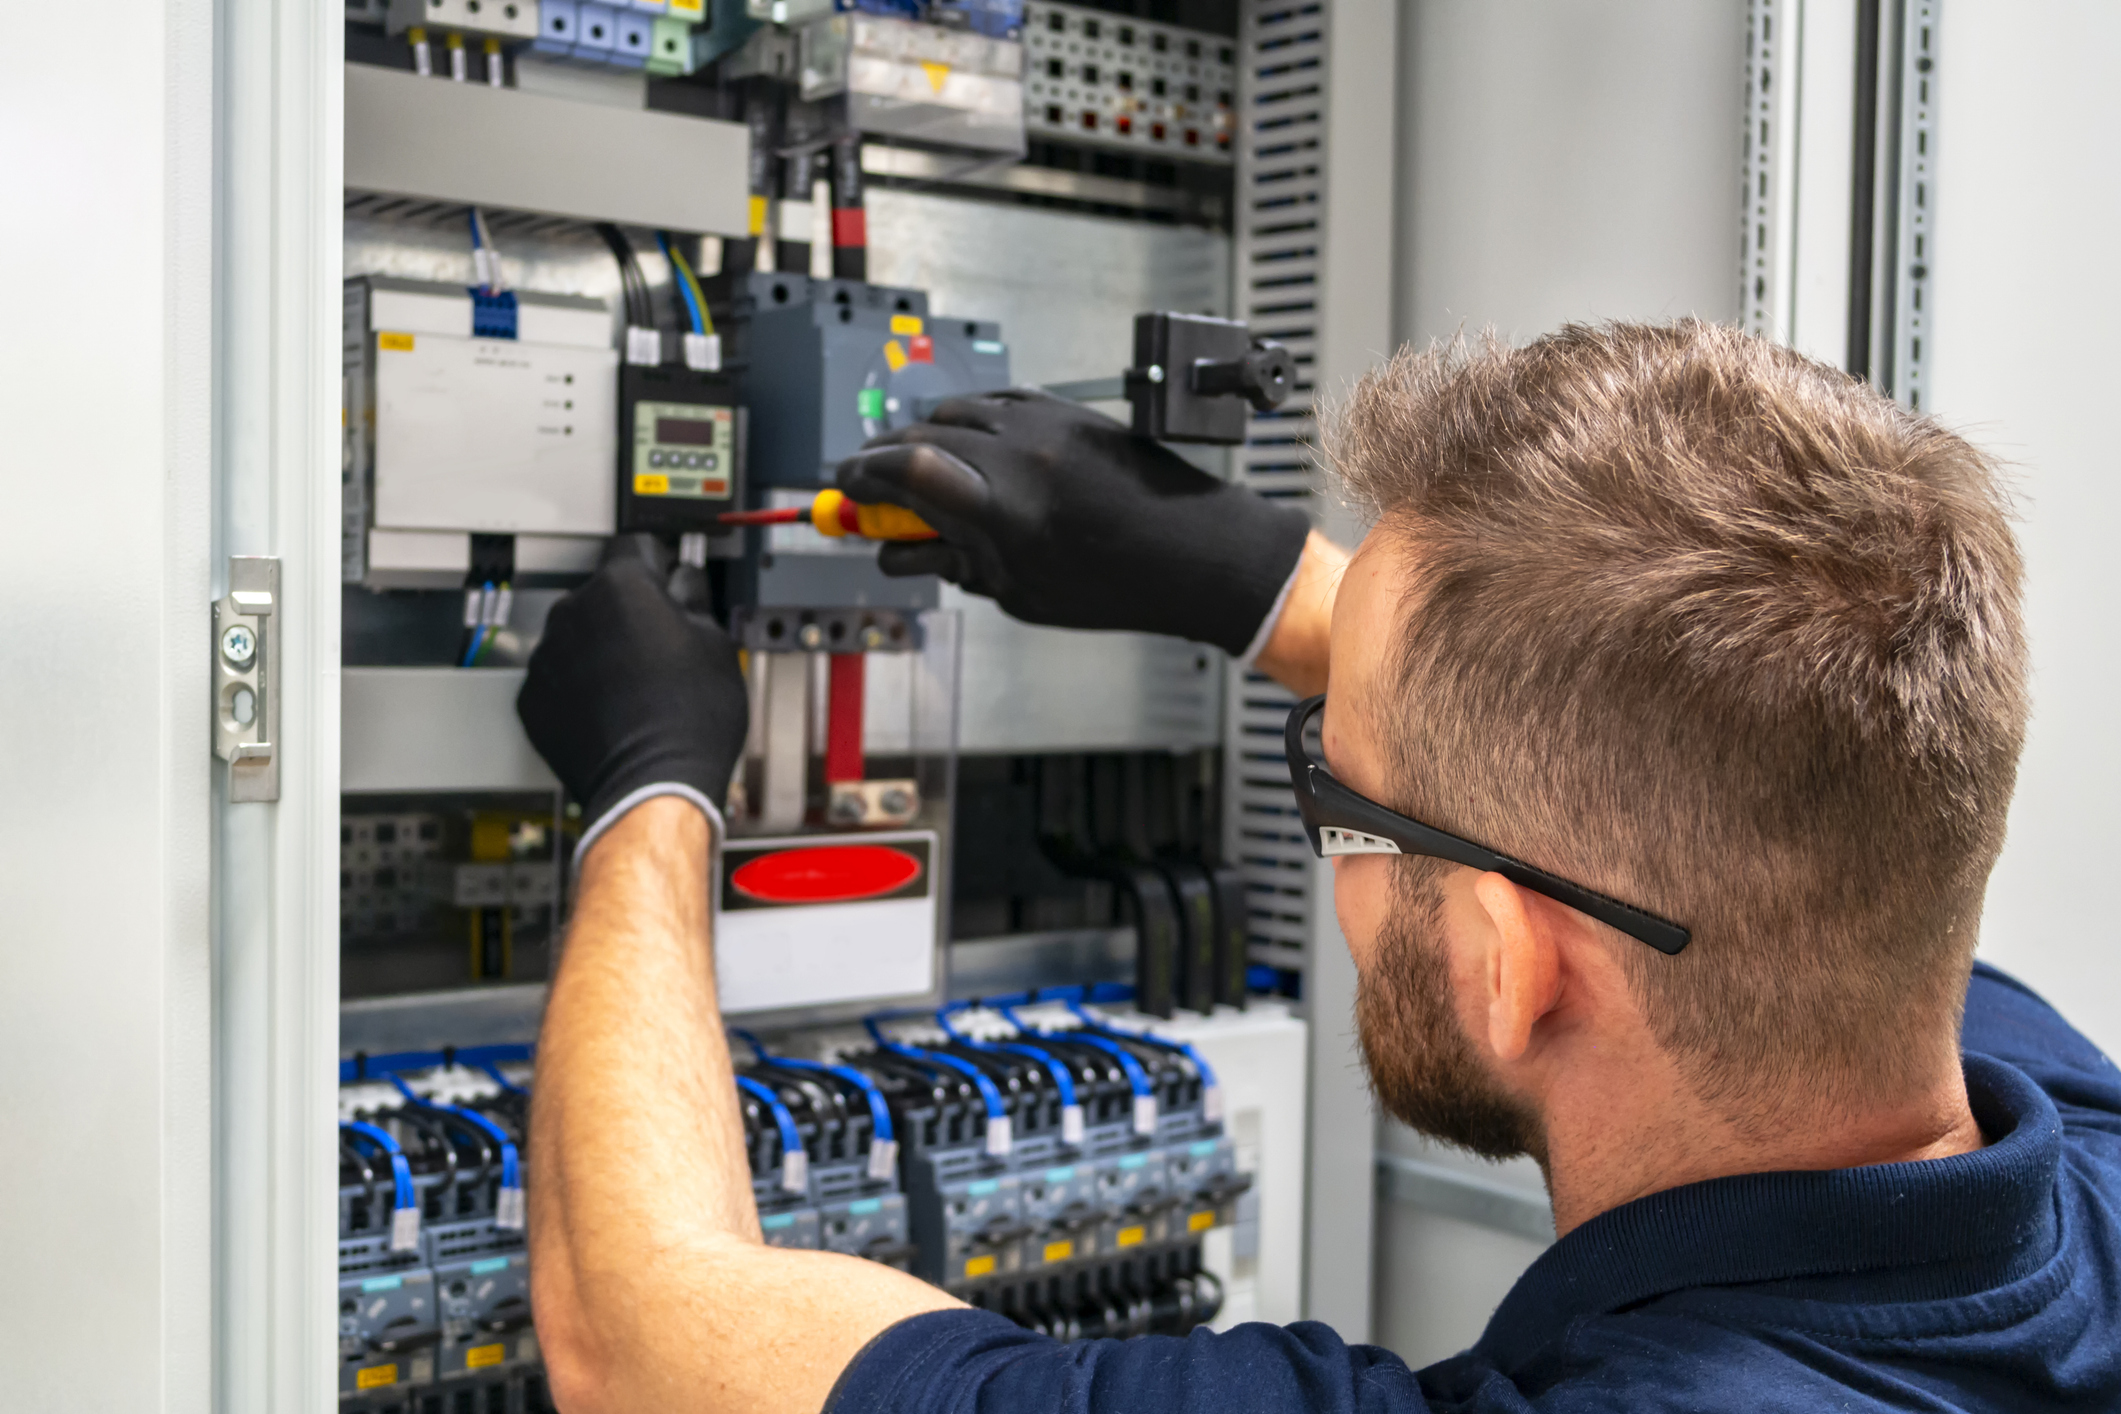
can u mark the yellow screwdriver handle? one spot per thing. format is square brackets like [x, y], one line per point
[833, 514]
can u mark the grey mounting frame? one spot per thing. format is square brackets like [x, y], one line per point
[246, 678]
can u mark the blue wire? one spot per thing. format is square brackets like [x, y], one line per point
[400, 1171]
[478, 639]
[1200, 1062]
[1136, 1076]
[692, 306]
[1061, 1078]
[879, 1111]
[996, 1109]
[791, 1141]
[511, 1161]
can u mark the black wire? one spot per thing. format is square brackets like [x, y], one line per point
[639, 312]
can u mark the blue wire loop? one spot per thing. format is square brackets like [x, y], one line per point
[1136, 1076]
[400, 1170]
[879, 1111]
[1062, 1080]
[1185, 1048]
[999, 1139]
[794, 1157]
[511, 1161]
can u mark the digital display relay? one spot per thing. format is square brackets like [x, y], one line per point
[681, 450]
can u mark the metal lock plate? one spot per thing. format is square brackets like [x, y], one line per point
[246, 678]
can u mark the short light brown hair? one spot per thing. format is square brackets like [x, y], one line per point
[1726, 634]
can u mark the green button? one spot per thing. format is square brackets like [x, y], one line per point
[870, 403]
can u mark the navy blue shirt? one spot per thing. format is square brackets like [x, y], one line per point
[1985, 1281]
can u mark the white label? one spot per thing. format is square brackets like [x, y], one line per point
[1211, 1103]
[883, 1158]
[508, 1210]
[998, 1136]
[795, 1171]
[1071, 1124]
[1145, 1114]
[644, 346]
[471, 608]
[404, 1229]
[703, 353]
[504, 600]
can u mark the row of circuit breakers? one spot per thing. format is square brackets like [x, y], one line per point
[1032, 1155]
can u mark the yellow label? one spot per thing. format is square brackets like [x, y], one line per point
[758, 216]
[1059, 1251]
[650, 483]
[376, 1376]
[936, 73]
[1131, 1236]
[1200, 1222]
[687, 9]
[979, 1267]
[396, 343]
[894, 354]
[480, 1356]
[907, 324]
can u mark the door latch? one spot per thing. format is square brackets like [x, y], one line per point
[246, 678]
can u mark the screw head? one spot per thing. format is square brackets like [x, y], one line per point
[1156, 373]
[872, 637]
[895, 801]
[847, 809]
[238, 645]
[811, 635]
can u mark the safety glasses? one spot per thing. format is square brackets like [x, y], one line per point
[1339, 821]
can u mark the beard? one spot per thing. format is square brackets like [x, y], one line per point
[1423, 1067]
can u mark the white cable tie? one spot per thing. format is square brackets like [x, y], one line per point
[795, 1171]
[883, 1158]
[703, 353]
[1071, 1124]
[1145, 1114]
[508, 1210]
[471, 608]
[644, 347]
[486, 598]
[504, 600]
[1211, 1104]
[404, 1229]
[998, 1142]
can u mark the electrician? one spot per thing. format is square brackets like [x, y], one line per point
[1721, 644]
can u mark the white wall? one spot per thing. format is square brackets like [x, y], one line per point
[104, 445]
[2026, 304]
[1557, 160]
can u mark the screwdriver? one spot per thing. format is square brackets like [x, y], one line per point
[833, 514]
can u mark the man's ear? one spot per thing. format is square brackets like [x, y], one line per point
[1523, 973]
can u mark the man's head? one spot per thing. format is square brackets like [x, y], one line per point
[1707, 627]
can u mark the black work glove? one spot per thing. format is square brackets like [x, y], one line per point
[629, 697]
[1065, 517]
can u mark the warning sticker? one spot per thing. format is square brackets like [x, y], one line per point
[396, 343]
[648, 483]
[908, 324]
[980, 1266]
[376, 1376]
[1059, 1251]
[480, 1356]
[1200, 1222]
[894, 354]
[1131, 1236]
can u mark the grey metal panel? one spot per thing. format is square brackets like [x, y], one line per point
[435, 729]
[527, 152]
[1465, 1196]
[1065, 289]
[1028, 689]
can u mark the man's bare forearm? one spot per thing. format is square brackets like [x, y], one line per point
[651, 1286]
[1295, 652]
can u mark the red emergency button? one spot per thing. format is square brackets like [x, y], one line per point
[837, 873]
